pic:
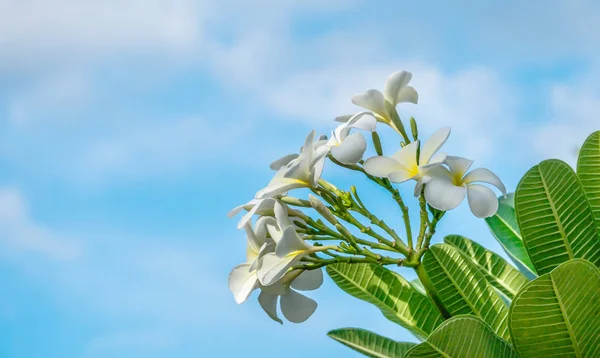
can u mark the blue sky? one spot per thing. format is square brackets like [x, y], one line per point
[129, 129]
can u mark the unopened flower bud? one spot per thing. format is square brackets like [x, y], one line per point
[377, 143]
[322, 209]
[413, 128]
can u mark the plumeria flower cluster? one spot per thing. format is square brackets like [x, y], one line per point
[280, 259]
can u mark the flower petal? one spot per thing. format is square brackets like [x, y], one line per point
[400, 176]
[290, 242]
[433, 144]
[441, 194]
[407, 155]
[407, 94]
[482, 200]
[394, 85]
[382, 166]
[364, 121]
[351, 150]
[283, 161]
[458, 165]
[268, 302]
[308, 280]
[485, 176]
[372, 100]
[242, 282]
[344, 118]
[279, 188]
[281, 215]
[273, 268]
[296, 307]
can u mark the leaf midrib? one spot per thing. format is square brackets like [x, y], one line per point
[359, 347]
[555, 214]
[367, 293]
[563, 311]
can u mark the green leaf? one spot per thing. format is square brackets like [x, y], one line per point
[369, 343]
[555, 217]
[588, 170]
[505, 229]
[496, 270]
[463, 289]
[558, 313]
[391, 293]
[463, 337]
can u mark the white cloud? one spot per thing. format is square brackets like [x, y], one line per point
[33, 33]
[20, 233]
[574, 110]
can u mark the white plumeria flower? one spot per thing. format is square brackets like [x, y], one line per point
[403, 164]
[384, 104]
[349, 148]
[300, 172]
[289, 249]
[243, 279]
[448, 188]
[295, 307]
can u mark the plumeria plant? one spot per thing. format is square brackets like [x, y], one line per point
[286, 243]
[463, 291]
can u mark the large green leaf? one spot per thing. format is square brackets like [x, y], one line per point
[391, 293]
[369, 343]
[558, 314]
[588, 170]
[555, 217]
[463, 289]
[505, 229]
[463, 337]
[498, 272]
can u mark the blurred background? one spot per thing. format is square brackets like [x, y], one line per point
[128, 129]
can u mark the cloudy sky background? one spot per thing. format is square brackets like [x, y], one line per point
[128, 129]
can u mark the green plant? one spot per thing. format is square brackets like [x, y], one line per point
[549, 228]
[467, 300]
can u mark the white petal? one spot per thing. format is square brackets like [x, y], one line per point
[238, 209]
[443, 195]
[273, 268]
[400, 176]
[242, 282]
[268, 302]
[364, 121]
[351, 150]
[433, 144]
[344, 118]
[485, 176]
[407, 156]
[259, 205]
[281, 215]
[372, 100]
[279, 188]
[407, 94]
[290, 242]
[297, 307]
[308, 280]
[283, 161]
[438, 158]
[394, 85]
[458, 165]
[482, 200]
[253, 243]
[382, 166]
[316, 172]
